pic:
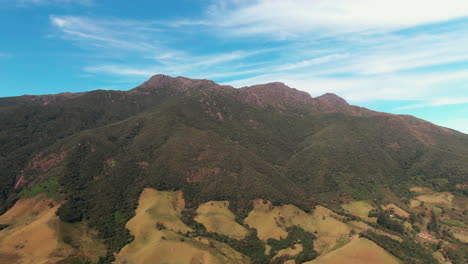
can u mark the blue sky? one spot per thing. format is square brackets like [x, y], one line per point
[398, 56]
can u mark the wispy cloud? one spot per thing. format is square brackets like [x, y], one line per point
[148, 42]
[286, 19]
[104, 33]
[438, 102]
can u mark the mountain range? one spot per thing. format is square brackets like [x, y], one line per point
[98, 150]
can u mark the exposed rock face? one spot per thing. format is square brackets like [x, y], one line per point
[275, 94]
[179, 84]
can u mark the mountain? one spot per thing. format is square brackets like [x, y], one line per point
[98, 150]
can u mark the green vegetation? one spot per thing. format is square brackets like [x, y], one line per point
[457, 256]
[296, 235]
[407, 251]
[250, 246]
[433, 224]
[392, 223]
[453, 222]
[49, 187]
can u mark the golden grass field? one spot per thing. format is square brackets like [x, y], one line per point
[360, 209]
[266, 220]
[358, 251]
[217, 218]
[439, 198]
[152, 245]
[460, 233]
[35, 234]
[397, 210]
[31, 238]
[272, 221]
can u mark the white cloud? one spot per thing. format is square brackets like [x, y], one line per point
[292, 18]
[116, 34]
[142, 39]
[311, 62]
[438, 102]
[121, 70]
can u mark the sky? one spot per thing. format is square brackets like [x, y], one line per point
[397, 56]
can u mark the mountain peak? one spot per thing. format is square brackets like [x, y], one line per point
[180, 84]
[332, 99]
[276, 94]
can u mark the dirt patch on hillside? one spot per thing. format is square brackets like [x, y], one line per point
[41, 162]
[420, 190]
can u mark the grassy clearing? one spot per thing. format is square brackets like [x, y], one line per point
[453, 222]
[49, 187]
[266, 220]
[360, 209]
[358, 251]
[442, 198]
[165, 243]
[217, 218]
[397, 210]
[460, 233]
[272, 221]
[31, 237]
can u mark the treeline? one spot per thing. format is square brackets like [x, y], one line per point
[407, 251]
[296, 235]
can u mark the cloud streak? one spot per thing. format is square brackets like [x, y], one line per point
[290, 19]
[438, 102]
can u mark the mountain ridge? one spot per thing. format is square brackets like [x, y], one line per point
[268, 94]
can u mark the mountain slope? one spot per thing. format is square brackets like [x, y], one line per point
[99, 149]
